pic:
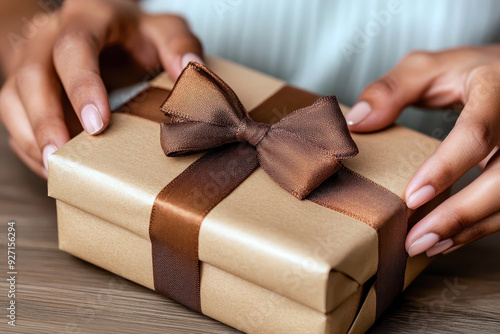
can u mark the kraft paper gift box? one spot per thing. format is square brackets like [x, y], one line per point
[269, 262]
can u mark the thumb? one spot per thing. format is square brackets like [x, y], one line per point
[381, 102]
[175, 43]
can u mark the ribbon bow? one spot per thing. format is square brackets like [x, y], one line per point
[299, 152]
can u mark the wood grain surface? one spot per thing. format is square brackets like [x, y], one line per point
[58, 293]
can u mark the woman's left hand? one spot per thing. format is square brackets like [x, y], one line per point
[470, 76]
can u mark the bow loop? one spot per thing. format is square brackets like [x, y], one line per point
[299, 152]
[323, 125]
[200, 96]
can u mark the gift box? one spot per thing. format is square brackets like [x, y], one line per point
[310, 241]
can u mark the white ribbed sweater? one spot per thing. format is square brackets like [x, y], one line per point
[335, 46]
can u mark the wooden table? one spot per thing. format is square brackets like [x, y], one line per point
[58, 293]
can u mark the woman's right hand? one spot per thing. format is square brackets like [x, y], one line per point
[64, 57]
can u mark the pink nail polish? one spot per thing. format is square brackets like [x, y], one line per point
[358, 113]
[423, 243]
[439, 247]
[91, 119]
[46, 152]
[421, 196]
[190, 57]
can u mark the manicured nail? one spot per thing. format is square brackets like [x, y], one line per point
[439, 247]
[423, 244]
[91, 119]
[358, 113]
[190, 57]
[421, 196]
[46, 152]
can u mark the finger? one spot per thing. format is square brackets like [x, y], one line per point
[472, 139]
[381, 102]
[32, 164]
[477, 231]
[449, 250]
[143, 51]
[174, 41]
[17, 123]
[75, 56]
[460, 212]
[487, 226]
[39, 90]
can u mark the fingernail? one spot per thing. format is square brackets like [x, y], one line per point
[421, 196]
[439, 247]
[46, 152]
[91, 119]
[423, 244]
[358, 113]
[190, 57]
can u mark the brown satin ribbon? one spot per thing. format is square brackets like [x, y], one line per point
[354, 195]
[181, 206]
[177, 215]
[146, 104]
[298, 152]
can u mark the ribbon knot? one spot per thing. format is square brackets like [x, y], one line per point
[299, 152]
[251, 132]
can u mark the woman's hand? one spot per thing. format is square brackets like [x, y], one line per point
[63, 57]
[470, 76]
